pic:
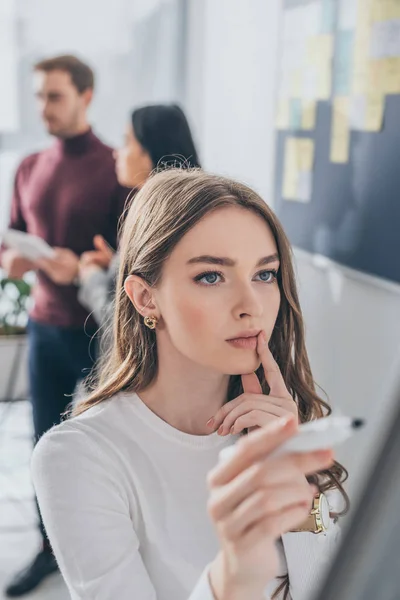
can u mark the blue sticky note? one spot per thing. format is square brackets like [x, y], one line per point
[328, 16]
[295, 113]
[343, 63]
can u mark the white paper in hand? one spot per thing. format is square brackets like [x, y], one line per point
[28, 245]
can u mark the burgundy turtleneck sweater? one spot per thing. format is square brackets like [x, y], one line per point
[66, 195]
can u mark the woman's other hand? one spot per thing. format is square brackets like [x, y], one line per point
[254, 499]
[253, 409]
[101, 256]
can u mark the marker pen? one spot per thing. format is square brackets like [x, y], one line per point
[321, 434]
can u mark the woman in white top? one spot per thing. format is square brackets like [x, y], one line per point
[208, 345]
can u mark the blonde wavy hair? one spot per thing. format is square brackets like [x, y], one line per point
[165, 209]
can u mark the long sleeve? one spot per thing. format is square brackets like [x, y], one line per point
[16, 220]
[95, 295]
[308, 557]
[87, 518]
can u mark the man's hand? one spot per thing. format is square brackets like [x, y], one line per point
[62, 268]
[16, 265]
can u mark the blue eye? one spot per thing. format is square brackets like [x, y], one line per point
[210, 278]
[267, 276]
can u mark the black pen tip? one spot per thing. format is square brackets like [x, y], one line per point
[357, 423]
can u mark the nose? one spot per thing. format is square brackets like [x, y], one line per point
[45, 109]
[247, 302]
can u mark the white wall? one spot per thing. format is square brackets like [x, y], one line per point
[353, 326]
[353, 337]
[230, 86]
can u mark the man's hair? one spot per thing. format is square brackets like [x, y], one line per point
[81, 74]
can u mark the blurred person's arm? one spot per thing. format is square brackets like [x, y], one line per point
[96, 290]
[11, 261]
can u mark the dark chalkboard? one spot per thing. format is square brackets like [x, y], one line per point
[353, 217]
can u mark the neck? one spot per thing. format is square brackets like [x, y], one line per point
[184, 394]
[81, 127]
[76, 143]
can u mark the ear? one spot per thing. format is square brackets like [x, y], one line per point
[141, 295]
[87, 96]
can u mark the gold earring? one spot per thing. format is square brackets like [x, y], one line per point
[151, 322]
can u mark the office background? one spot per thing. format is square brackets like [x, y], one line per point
[219, 60]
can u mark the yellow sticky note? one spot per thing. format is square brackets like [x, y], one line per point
[308, 115]
[291, 169]
[283, 114]
[376, 75]
[305, 154]
[340, 134]
[295, 83]
[361, 48]
[365, 12]
[324, 85]
[385, 10]
[319, 49]
[374, 111]
[391, 75]
[360, 78]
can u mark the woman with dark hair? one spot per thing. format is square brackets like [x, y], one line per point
[156, 137]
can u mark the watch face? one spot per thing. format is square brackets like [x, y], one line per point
[324, 511]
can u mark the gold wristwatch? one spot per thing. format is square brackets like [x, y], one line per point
[318, 520]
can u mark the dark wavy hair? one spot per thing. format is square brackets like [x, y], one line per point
[164, 132]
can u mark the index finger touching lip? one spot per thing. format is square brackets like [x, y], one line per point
[253, 448]
[272, 372]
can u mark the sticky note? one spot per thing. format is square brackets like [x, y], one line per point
[304, 186]
[305, 148]
[328, 16]
[283, 114]
[324, 83]
[343, 63]
[374, 111]
[319, 49]
[385, 10]
[295, 113]
[358, 112]
[391, 75]
[309, 114]
[290, 176]
[340, 134]
[298, 169]
[295, 83]
[385, 39]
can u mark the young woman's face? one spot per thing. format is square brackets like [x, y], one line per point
[133, 162]
[218, 291]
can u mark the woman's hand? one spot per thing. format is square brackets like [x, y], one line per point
[254, 409]
[62, 268]
[100, 257]
[254, 499]
[86, 271]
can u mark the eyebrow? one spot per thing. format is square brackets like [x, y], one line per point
[228, 262]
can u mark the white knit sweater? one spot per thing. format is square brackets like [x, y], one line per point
[123, 497]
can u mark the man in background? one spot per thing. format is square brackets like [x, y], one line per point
[66, 195]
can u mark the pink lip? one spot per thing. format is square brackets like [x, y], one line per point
[245, 343]
[246, 340]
